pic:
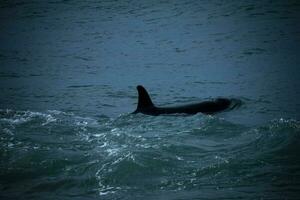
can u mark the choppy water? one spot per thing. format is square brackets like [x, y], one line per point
[60, 155]
[68, 71]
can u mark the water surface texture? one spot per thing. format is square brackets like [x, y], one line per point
[68, 76]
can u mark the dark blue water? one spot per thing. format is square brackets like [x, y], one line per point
[68, 72]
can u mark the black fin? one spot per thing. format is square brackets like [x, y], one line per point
[144, 99]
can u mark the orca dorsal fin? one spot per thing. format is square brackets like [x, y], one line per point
[144, 99]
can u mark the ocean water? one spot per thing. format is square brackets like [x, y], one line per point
[68, 77]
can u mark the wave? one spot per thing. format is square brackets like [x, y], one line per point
[135, 154]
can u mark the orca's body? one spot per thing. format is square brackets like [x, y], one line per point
[146, 106]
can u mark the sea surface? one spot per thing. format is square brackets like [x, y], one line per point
[68, 77]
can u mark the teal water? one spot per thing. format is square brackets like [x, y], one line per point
[68, 76]
[58, 155]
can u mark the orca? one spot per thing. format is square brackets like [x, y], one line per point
[146, 106]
